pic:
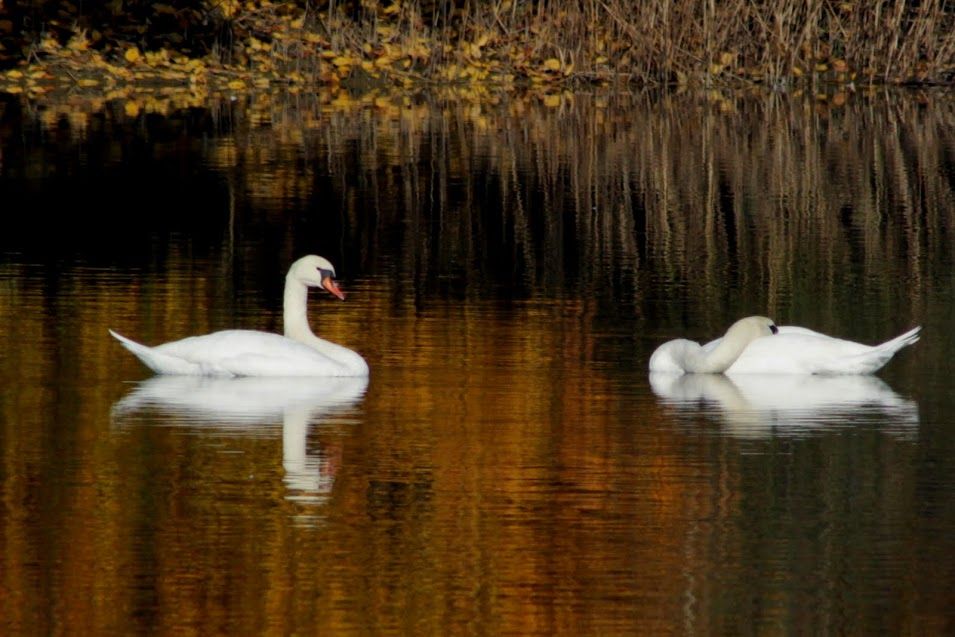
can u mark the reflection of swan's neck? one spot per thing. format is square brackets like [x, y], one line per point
[307, 475]
[717, 360]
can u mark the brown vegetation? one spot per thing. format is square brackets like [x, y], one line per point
[231, 44]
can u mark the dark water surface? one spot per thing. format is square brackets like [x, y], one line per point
[509, 467]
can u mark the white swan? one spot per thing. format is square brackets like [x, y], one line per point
[793, 350]
[684, 356]
[254, 353]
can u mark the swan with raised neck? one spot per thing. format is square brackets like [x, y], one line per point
[253, 353]
[683, 356]
[314, 271]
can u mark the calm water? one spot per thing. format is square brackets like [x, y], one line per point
[509, 467]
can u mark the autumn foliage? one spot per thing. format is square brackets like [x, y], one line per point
[264, 43]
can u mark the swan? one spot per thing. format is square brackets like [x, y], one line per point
[254, 353]
[682, 356]
[793, 350]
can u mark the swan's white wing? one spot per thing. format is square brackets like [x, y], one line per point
[251, 353]
[798, 353]
[797, 350]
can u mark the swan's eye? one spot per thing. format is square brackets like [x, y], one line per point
[774, 329]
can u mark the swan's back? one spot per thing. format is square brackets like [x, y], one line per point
[797, 350]
[238, 353]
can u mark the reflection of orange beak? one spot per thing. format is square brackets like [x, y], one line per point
[329, 284]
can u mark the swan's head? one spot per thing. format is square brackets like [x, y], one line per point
[750, 328]
[318, 272]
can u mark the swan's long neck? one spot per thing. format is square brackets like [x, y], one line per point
[717, 360]
[295, 311]
[295, 318]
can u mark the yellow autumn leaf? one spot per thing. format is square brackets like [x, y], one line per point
[88, 82]
[552, 64]
[49, 44]
[727, 58]
[236, 85]
[131, 108]
[552, 101]
[341, 60]
[132, 55]
[78, 42]
[14, 74]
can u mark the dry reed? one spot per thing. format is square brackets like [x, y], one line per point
[677, 41]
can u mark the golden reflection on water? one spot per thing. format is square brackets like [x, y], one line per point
[507, 469]
[470, 485]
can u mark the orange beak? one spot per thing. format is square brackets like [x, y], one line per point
[329, 284]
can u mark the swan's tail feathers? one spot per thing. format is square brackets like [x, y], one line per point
[909, 338]
[153, 359]
[876, 358]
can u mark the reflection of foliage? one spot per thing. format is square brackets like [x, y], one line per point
[762, 202]
[236, 45]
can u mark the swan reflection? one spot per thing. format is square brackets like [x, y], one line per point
[246, 406]
[758, 406]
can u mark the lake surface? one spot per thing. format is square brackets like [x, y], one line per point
[509, 467]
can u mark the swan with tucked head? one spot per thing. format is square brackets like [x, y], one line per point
[254, 353]
[793, 350]
[683, 356]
